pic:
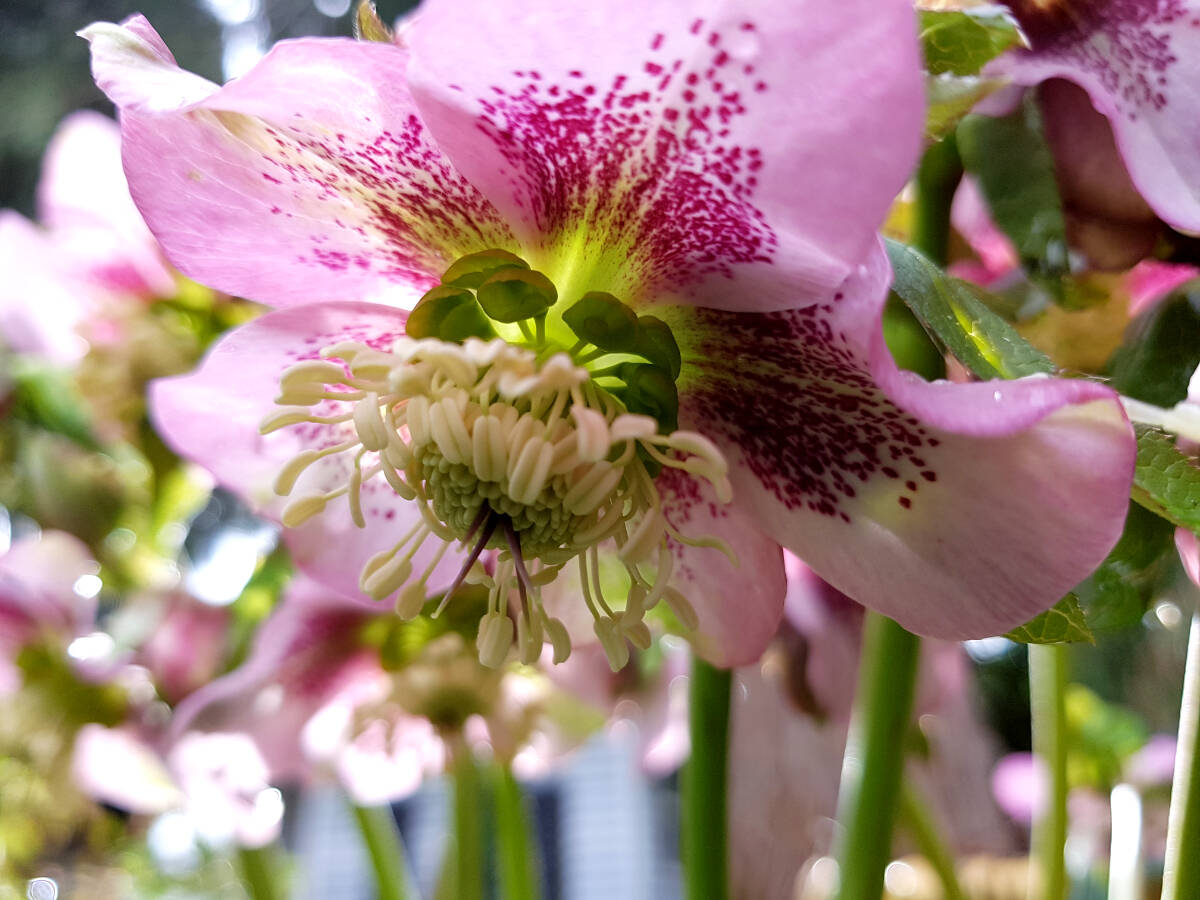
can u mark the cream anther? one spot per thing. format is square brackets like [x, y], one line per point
[495, 639]
[303, 508]
[411, 601]
[369, 424]
[613, 642]
[633, 427]
[386, 578]
[559, 640]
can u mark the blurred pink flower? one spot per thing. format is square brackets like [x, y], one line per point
[971, 218]
[186, 646]
[44, 595]
[650, 695]
[825, 628]
[220, 781]
[1020, 787]
[315, 696]
[1150, 281]
[91, 252]
[1154, 764]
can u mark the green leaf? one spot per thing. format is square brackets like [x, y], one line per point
[49, 399]
[1014, 168]
[474, 269]
[962, 42]
[949, 98]
[512, 294]
[650, 391]
[604, 321]
[656, 343]
[1161, 350]
[1165, 481]
[955, 313]
[448, 314]
[367, 24]
[1063, 623]
[1118, 593]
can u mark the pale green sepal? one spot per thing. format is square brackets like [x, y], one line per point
[954, 312]
[368, 26]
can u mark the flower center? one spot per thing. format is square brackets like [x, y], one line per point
[515, 447]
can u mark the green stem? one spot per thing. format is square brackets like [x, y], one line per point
[874, 761]
[384, 847]
[1181, 873]
[1047, 694]
[258, 872]
[921, 826]
[514, 844]
[467, 872]
[937, 180]
[703, 825]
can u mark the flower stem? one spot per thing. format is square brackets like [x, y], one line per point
[258, 872]
[874, 761]
[1047, 693]
[384, 847]
[705, 848]
[1181, 873]
[1126, 865]
[937, 179]
[467, 872]
[921, 826]
[516, 849]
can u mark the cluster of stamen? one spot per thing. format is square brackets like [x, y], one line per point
[508, 450]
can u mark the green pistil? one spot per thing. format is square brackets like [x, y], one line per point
[457, 495]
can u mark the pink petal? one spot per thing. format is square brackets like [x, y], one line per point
[117, 767]
[37, 589]
[32, 268]
[960, 510]
[972, 219]
[211, 416]
[1154, 764]
[1137, 63]
[1150, 281]
[83, 197]
[831, 625]
[740, 605]
[1188, 546]
[309, 178]
[1020, 787]
[733, 155]
[308, 650]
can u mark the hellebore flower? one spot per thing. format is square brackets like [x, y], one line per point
[1129, 63]
[338, 684]
[218, 780]
[702, 192]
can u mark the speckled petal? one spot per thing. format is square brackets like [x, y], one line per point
[736, 155]
[309, 178]
[739, 606]
[1137, 61]
[211, 416]
[959, 510]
